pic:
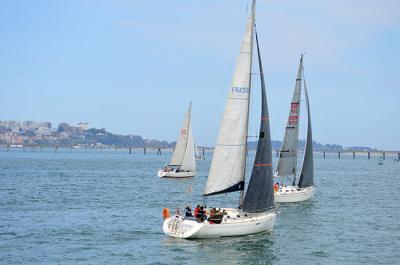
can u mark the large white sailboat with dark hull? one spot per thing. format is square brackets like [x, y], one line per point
[256, 212]
[183, 161]
[287, 164]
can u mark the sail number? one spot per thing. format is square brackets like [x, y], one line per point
[294, 108]
[240, 90]
[293, 120]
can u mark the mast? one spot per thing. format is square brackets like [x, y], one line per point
[287, 163]
[228, 162]
[260, 195]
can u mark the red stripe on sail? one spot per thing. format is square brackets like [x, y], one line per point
[262, 165]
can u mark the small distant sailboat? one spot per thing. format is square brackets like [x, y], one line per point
[287, 163]
[256, 213]
[183, 161]
[197, 154]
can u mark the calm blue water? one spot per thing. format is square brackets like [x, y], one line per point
[105, 208]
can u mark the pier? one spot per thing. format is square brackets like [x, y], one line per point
[339, 154]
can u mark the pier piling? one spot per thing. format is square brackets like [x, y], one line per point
[159, 151]
[383, 154]
[354, 155]
[398, 156]
[144, 150]
[339, 155]
[324, 154]
[130, 150]
[369, 155]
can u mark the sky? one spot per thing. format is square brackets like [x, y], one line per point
[133, 66]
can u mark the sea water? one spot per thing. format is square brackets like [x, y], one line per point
[77, 207]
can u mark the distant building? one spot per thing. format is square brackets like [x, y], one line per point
[83, 125]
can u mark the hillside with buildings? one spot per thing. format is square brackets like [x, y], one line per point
[42, 133]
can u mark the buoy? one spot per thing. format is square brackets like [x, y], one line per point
[165, 213]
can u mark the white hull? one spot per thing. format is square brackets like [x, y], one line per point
[173, 174]
[253, 223]
[294, 194]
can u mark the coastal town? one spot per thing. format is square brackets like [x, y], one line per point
[19, 133]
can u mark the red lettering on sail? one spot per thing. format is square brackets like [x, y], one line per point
[293, 120]
[294, 108]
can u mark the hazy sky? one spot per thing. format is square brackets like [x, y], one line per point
[133, 66]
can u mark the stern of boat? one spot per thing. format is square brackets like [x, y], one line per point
[181, 227]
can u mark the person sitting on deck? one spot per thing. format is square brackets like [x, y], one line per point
[196, 211]
[212, 212]
[202, 214]
[216, 216]
[188, 212]
[276, 187]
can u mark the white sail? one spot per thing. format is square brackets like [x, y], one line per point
[181, 145]
[189, 159]
[227, 170]
[288, 156]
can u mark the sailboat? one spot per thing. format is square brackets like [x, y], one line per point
[256, 211]
[287, 164]
[197, 154]
[183, 161]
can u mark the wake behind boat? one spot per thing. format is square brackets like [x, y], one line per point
[227, 173]
[287, 163]
[183, 161]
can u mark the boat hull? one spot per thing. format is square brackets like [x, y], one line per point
[173, 174]
[294, 194]
[179, 226]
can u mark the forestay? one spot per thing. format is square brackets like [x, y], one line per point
[288, 156]
[228, 163]
[260, 195]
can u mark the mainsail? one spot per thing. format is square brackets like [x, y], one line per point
[288, 156]
[228, 165]
[260, 195]
[183, 155]
[307, 170]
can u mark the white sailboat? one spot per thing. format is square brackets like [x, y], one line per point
[183, 161]
[197, 154]
[287, 164]
[227, 173]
